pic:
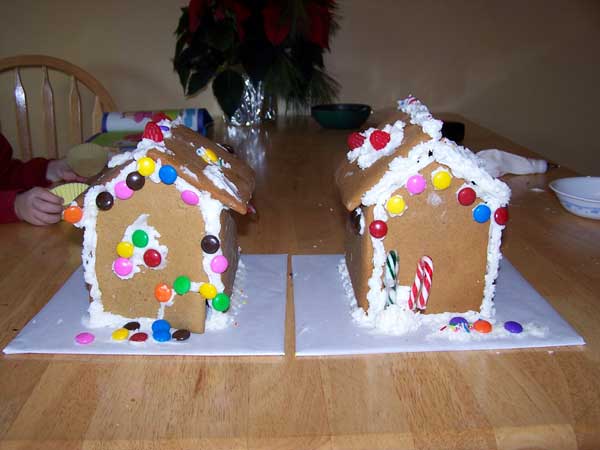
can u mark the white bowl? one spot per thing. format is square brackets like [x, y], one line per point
[579, 195]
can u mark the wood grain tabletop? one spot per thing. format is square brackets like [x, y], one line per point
[511, 399]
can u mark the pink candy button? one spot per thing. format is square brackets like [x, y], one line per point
[189, 198]
[122, 191]
[416, 184]
[122, 267]
[84, 338]
[219, 264]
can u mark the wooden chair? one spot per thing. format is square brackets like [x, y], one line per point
[103, 102]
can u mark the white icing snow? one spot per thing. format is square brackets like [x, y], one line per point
[218, 178]
[366, 155]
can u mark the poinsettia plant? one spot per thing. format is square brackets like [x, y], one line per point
[277, 42]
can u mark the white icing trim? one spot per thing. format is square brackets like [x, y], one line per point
[366, 155]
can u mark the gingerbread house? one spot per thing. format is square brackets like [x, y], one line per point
[160, 240]
[425, 220]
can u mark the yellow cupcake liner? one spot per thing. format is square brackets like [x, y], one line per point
[88, 159]
[69, 191]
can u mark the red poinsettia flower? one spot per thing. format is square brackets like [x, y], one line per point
[320, 19]
[276, 27]
[195, 10]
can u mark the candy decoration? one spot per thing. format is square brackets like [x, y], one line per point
[73, 214]
[458, 320]
[122, 266]
[219, 264]
[209, 156]
[481, 213]
[208, 290]
[189, 197]
[122, 191]
[105, 201]
[181, 335]
[513, 327]
[221, 302]
[140, 238]
[379, 139]
[152, 258]
[132, 326]
[167, 174]
[161, 336]
[396, 204]
[161, 325]
[85, 338]
[482, 326]
[228, 147]
[120, 334]
[182, 285]
[416, 184]
[139, 337]
[152, 131]
[355, 140]
[210, 244]
[125, 249]
[135, 181]
[162, 292]
[157, 117]
[146, 166]
[419, 291]
[378, 229]
[390, 277]
[501, 215]
[441, 180]
[466, 196]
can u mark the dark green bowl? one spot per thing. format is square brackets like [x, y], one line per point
[342, 116]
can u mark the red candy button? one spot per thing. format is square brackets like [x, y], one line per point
[152, 258]
[466, 196]
[379, 139]
[378, 229]
[139, 337]
[355, 140]
[501, 215]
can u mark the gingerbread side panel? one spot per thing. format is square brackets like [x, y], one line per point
[229, 243]
[359, 257]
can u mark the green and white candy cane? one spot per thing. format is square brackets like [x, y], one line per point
[390, 277]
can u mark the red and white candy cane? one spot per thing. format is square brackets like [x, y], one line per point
[419, 291]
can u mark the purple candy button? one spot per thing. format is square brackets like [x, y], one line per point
[84, 338]
[458, 320]
[513, 327]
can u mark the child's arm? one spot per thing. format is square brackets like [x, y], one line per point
[17, 174]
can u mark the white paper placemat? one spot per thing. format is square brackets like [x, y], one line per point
[324, 325]
[259, 326]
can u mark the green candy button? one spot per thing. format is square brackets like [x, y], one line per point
[182, 285]
[221, 302]
[140, 238]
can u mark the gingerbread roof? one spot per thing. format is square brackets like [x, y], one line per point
[227, 178]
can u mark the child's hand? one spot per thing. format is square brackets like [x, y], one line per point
[59, 170]
[38, 206]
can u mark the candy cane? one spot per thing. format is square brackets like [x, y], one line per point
[419, 291]
[390, 277]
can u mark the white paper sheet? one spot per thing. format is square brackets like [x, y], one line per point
[324, 325]
[259, 327]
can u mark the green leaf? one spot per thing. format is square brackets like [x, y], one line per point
[198, 80]
[228, 87]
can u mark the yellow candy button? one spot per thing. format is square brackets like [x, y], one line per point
[125, 249]
[208, 290]
[146, 166]
[396, 204]
[121, 334]
[209, 156]
[441, 180]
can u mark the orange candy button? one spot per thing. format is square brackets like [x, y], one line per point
[482, 326]
[162, 292]
[73, 214]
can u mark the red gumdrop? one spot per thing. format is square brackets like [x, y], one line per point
[378, 229]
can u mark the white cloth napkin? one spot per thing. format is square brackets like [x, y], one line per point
[497, 163]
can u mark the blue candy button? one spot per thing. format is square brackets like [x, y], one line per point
[458, 320]
[161, 336]
[167, 174]
[482, 213]
[161, 325]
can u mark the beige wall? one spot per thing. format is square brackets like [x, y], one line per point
[527, 69]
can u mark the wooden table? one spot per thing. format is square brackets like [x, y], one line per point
[540, 398]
